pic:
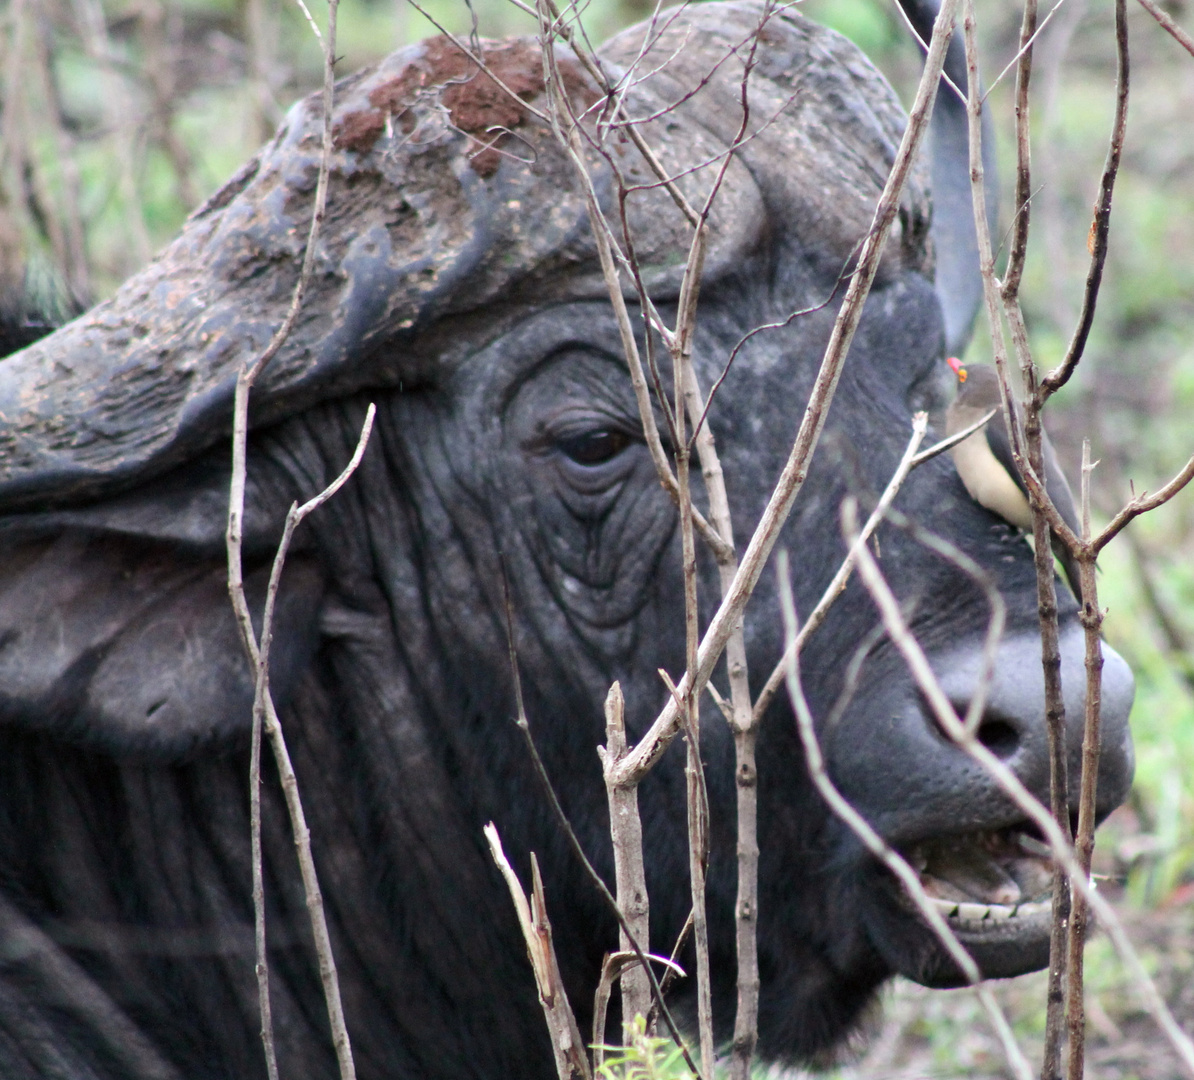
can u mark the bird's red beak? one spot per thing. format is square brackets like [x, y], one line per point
[956, 365]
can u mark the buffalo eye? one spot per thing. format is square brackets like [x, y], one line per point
[593, 448]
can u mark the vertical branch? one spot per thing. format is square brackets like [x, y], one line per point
[652, 746]
[691, 723]
[626, 832]
[1019, 249]
[1055, 712]
[1092, 621]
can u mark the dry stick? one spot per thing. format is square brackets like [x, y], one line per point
[740, 715]
[1142, 504]
[1055, 711]
[263, 703]
[689, 400]
[566, 128]
[1013, 787]
[626, 832]
[264, 713]
[641, 955]
[652, 746]
[572, 1063]
[1092, 620]
[1019, 245]
[874, 843]
[1179, 35]
[694, 771]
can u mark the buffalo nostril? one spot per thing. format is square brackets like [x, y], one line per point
[999, 736]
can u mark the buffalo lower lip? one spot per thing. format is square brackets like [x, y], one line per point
[988, 881]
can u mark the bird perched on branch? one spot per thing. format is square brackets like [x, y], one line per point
[984, 461]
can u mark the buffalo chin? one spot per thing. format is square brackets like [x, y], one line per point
[994, 889]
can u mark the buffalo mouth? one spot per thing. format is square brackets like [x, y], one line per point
[995, 889]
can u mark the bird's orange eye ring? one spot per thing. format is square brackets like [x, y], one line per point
[956, 365]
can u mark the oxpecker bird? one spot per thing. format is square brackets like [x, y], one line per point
[984, 461]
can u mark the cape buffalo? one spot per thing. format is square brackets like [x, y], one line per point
[457, 286]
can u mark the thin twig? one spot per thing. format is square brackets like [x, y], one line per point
[1092, 621]
[1142, 504]
[1163, 17]
[1101, 225]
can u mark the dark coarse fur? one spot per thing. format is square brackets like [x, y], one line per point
[125, 914]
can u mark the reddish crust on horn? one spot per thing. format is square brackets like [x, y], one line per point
[475, 101]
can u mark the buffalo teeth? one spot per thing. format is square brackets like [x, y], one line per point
[990, 912]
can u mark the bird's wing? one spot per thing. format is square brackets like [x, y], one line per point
[1001, 447]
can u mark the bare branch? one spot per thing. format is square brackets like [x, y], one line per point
[1142, 504]
[264, 713]
[1019, 250]
[1092, 621]
[1162, 16]
[626, 832]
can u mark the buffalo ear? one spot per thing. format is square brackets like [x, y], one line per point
[131, 645]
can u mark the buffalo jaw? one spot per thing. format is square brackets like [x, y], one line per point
[981, 863]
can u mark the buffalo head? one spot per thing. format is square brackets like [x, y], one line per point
[457, 286]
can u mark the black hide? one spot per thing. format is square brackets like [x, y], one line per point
[461, 293]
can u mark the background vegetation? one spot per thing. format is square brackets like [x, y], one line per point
[117, 117]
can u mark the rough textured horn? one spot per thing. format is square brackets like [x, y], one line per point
[446, 195]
